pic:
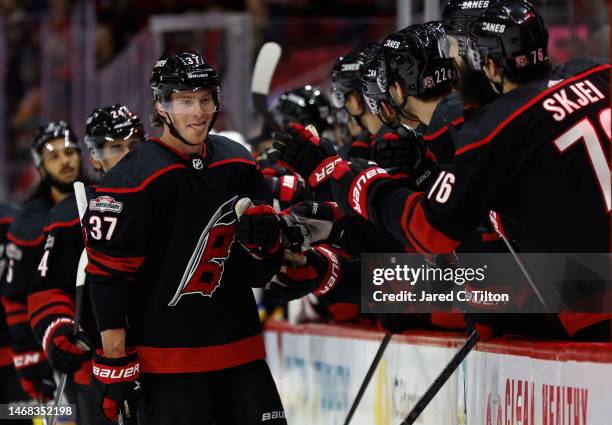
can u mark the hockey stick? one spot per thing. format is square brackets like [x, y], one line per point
[368, 377]
[439, 382]
[522, 267]
[81, 201]
[263, 71]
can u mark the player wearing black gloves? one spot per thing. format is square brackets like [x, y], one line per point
[170, 288]
[56, 154]
[508, 156]
[110, 133]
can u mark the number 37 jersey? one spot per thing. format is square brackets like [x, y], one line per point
[539, 156]
[163, 262]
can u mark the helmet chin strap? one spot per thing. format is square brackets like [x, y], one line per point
[174, 131]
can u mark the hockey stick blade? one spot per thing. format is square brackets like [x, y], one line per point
[265, 65]
[439, 382]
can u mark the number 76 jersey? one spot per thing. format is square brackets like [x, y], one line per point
[539, 156]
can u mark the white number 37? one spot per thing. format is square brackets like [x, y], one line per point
[96, 223]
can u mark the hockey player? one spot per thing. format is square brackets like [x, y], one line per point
[56, 154]
[10, 390]
[170, 289]
[346, 93]
[420, 76]
[517, 156]
[303, 105]
[111, 132]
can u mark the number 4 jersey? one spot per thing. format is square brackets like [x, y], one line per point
[163, 262]
[539, 156]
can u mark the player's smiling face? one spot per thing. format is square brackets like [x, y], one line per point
[191, 113]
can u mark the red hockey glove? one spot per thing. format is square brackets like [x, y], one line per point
[311, 157]
[258, 228]
[35, 374]
[354, 185]
[66, 351]
[288, 189]
[320, 275]
[115, 381]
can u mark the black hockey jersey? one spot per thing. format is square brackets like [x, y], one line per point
[440, 134]
[53, 291]
[537, 156]
[23, 251]
[163, 262]
[7, 214]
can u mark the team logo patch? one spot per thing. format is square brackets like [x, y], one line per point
[428, 82]
[105, 204]
[197, 163]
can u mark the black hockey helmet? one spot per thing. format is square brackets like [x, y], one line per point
[110, 123]
[510, 32]
[50, 132]
[345, 75]
[459, 16]
[418, 58]
[304, 105]
[187, 71]
[375, 91]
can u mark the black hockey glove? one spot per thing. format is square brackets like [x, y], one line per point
[307, 223]
[258, 229]
[116, 383]
[66, 351]
[308, 155]
[35, 374]
[403, 154]
[398, 152]
[318, 276]
[355, 184]
[360, 147]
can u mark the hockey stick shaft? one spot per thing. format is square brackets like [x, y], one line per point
[368, 377]
[442, 378]
[523, 268]
[81, 201]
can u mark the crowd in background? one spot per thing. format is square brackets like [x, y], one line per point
[316, 31]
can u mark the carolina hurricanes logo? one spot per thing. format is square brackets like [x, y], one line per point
[205, 268]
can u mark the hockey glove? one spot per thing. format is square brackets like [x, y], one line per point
[399, 152]
[288, 189]
[308, 155]
[116, 381]
[360, 147]
[258, 228]
[403, 155]
[66, 351]
[319, 276]
[307, 223]
[35, 374]
[355, 184]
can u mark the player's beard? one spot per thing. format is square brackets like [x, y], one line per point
[474, 88]
[61, 186]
